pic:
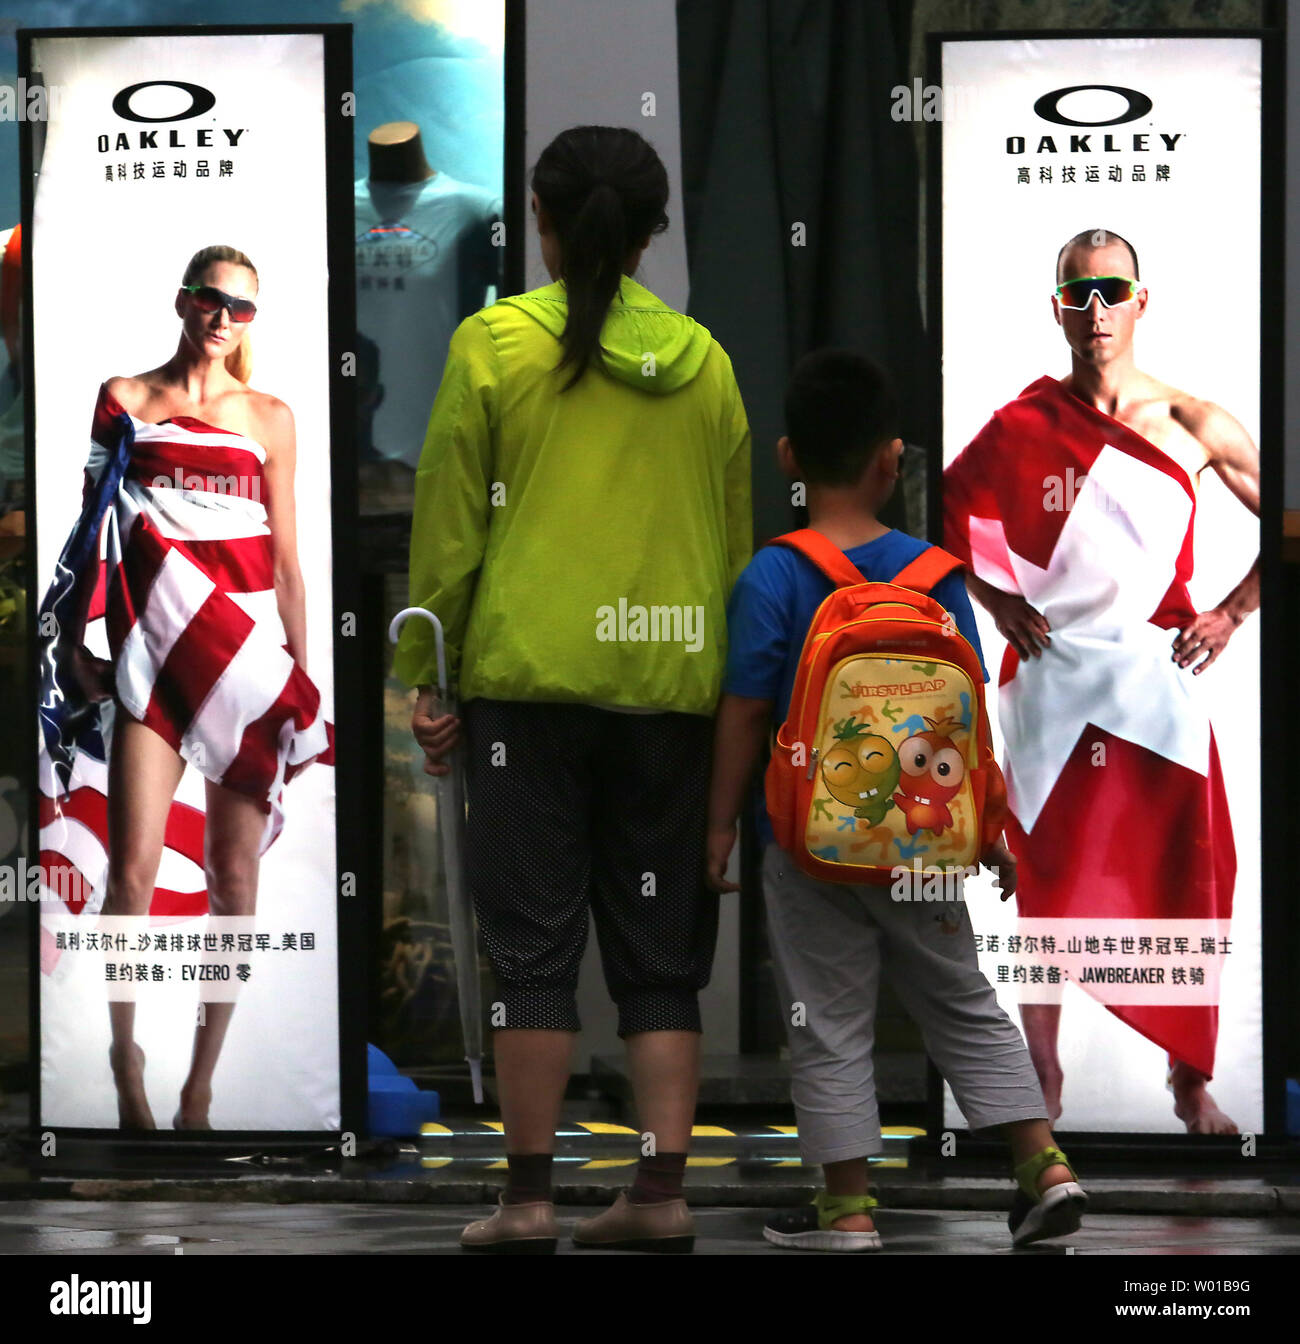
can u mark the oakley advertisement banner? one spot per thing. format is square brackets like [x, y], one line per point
[188, 929]
[1101, 278]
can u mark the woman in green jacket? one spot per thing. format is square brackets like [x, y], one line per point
[582, 510]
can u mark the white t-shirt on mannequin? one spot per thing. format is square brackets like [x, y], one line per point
[425, 260]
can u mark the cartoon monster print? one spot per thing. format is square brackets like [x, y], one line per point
[862, 771]
[932, 771]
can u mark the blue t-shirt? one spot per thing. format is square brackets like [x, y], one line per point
[775, 600]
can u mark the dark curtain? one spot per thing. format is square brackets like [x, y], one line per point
[785, 110]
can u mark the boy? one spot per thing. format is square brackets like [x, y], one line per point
[830, 941]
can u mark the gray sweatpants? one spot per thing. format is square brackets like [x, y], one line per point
[830, 942]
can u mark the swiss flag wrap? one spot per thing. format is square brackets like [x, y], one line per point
[1092, 525]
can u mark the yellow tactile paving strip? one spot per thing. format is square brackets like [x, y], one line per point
[578, 1129]
[719, 1147]
[695, 1162]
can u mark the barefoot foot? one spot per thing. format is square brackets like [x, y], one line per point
[128, 1077]
[193, 1110]
[1194, 1106]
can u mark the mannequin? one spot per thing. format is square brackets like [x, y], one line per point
[397, 153]
[425, 260]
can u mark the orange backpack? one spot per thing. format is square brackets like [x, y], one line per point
[883, 765]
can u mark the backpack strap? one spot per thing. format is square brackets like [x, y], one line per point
[929, 568]
[826, 555]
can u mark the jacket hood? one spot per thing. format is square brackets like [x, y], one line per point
[638, 324]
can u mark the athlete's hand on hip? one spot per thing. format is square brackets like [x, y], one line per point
[436, 733]
[1023, 627]
[1000, 861]
[1203, 638]
[718, 846]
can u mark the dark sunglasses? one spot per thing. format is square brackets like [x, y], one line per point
[1110, 289]
[210, 299]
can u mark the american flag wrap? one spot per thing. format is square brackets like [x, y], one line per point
[173, 554]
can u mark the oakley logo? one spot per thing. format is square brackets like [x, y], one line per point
[1138, 105]
[201, 100]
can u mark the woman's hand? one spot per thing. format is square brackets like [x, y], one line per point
[94, 676]
[718, 846]
[436, 733]
[999, 860]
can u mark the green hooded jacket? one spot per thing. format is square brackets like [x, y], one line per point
[580, 546]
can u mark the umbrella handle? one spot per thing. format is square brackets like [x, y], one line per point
[400, 620]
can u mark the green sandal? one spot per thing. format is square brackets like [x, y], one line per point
[832, 1207]
[1056, 1212]
[809, 1228]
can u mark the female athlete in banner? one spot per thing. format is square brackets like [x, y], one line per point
[186, 548]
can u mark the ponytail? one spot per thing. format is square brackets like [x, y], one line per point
[605, 189]
[593, 262]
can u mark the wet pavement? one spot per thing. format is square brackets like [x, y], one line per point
[187, 1227]
[735, 1164]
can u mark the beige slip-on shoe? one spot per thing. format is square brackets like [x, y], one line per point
[514, 1229]
[624, 1226]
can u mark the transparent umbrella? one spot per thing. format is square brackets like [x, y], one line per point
[451, 832]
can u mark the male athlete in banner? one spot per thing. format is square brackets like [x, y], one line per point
[1074, 510]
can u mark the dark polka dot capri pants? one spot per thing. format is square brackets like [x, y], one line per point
[574, 808]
